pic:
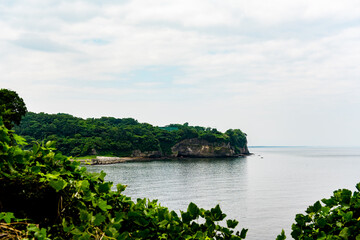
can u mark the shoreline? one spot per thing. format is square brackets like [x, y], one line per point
[100, 160]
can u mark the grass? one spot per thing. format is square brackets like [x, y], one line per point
[85, 157]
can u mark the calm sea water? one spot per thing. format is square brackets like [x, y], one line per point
[263, 192]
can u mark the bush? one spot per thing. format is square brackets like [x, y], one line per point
[337, 218]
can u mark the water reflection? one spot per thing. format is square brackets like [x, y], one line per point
[175, 183]
[263, 192]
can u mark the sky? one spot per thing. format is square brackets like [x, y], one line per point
[284, 72]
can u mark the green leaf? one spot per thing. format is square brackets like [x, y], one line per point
[85, 185]
[58, 184]
[163, 223]
[142, 222]
[77, 232]
[35, 148]
[321, 236]
[243, 233]
[281, 236]
[124, 235]
[85, 236]
[315, 208]
[85, 215]
[119, 216]
[232, 223]
[99, 218]
[40, 234]
[19, 140]
[217, 213]
[105, 187]
[321, 222]
[52, 175]
[102, 175]
[49, 144]
[358, 188]
[7, 216]
[325, 210]
[35, 169]
[193, 210]
[345, 196]
[102, 204]
[348, 216]
[112, 232]
[32, 228]
[120, 188]
[66, 227]
[185, 216]
[344, 233]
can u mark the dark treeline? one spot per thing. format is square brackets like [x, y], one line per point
[116, 137]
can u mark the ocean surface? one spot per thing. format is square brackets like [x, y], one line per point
[263, 191]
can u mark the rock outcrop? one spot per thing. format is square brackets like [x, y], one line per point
[146, 154]
[201, 148]
[192, 148]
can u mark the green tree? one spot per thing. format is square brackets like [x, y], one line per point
[12, 107]
[119, 137]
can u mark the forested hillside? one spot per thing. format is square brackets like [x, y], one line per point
[117, 137]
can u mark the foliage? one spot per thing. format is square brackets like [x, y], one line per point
[62, 200]
[116, 137]
[281, 236]
[237, 138]
[14, 228]
[336, 218]
[12, 107]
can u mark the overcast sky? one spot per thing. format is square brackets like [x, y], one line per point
[285, 72]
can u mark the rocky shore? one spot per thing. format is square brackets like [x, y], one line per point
[100, 160]
[188, 148]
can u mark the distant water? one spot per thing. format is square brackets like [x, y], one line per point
[263, 192]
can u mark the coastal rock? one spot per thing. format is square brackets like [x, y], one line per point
[244, 150]
[146, 154]
[201, 148]
[106, 160]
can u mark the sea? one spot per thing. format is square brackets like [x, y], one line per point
[263, 191]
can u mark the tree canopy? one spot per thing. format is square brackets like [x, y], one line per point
[116, 137]
[12, 107]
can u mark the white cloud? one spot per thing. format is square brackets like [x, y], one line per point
[262, 56]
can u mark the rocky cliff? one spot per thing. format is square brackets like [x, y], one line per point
[201, 148]
[147, 154]
[195, 148]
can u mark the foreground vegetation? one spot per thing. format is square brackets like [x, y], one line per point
[116, 137]
[336, 218]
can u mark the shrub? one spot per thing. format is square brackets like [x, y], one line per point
[337, 218]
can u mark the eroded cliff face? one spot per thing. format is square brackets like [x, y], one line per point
[147, 154]
[195, 148]
[244, 150]
[202, 148]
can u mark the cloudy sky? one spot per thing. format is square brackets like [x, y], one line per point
[285, 72]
